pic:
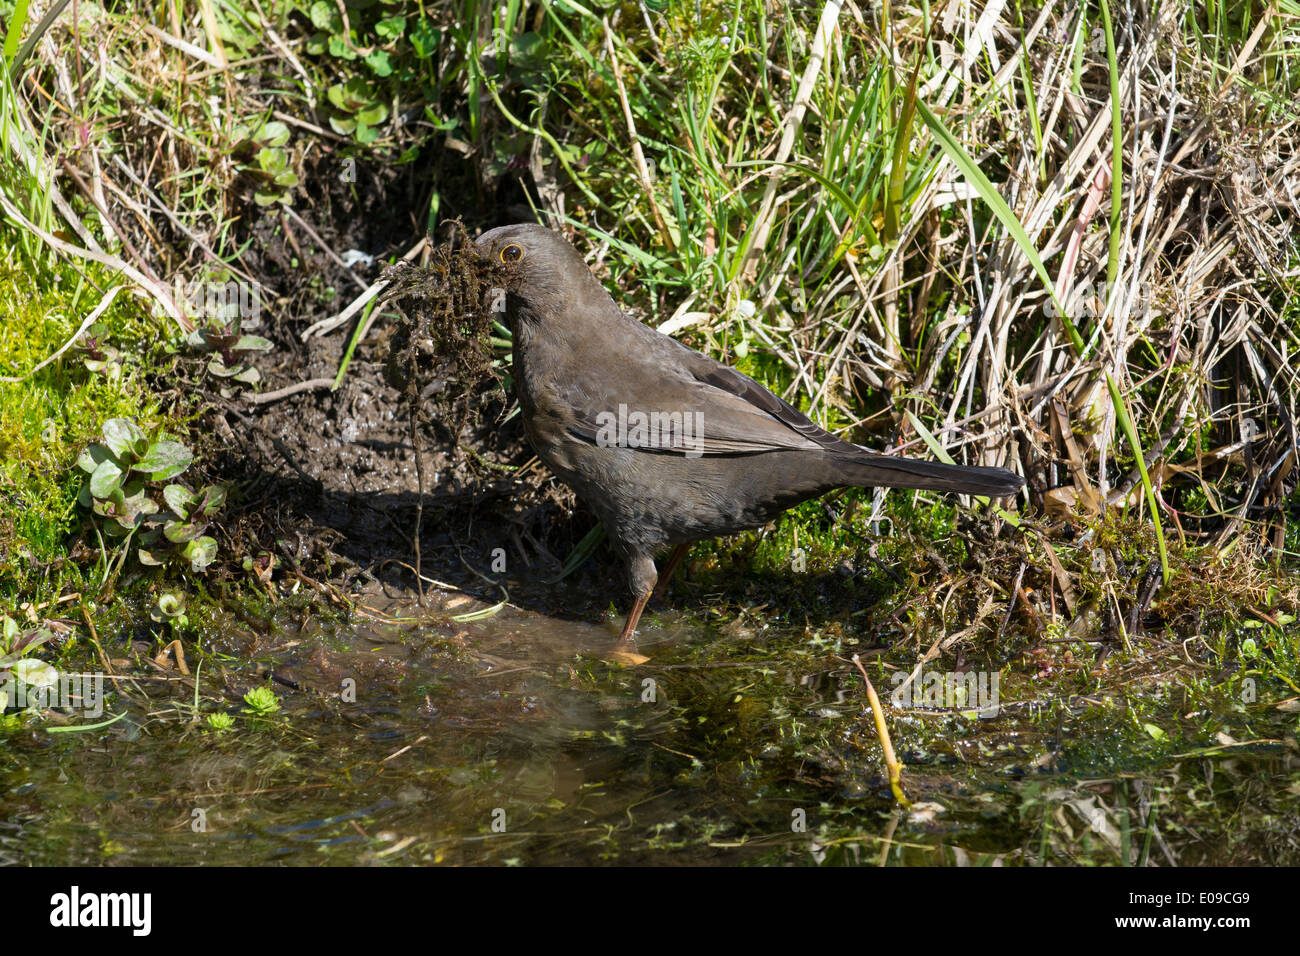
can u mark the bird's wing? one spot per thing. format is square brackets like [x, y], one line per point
[688, 404]
[726, 379]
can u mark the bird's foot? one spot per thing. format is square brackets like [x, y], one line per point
[626, 654]
[625, 651]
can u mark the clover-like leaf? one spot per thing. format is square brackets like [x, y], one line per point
[339, 47]
[343, 125]
[325, 16]
[164, 459]
[391, 27]
[272, 161]
[373, 115]
[350, 96]
[151, 557]
[124, 438]
[106, 478]
[380, 63]
[272, 134]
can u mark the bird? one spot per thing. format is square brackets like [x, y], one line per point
[667, 445]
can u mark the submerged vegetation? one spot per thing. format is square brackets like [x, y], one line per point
[1067, 242]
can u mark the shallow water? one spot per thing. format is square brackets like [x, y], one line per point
[509, 740]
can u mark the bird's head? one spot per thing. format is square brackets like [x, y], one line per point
[550, 282]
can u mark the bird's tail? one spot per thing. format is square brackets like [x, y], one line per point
[868, 470]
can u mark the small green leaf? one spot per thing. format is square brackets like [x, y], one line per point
[35, 673]
[214, 496]
[343, 125]
[391, 27]
[170, 609]
[325, 16]
[1156, 732]
[178, 532]
[425, 40]
[111, 505]
[272, 160]
[179, 499]
[124, 438]
[339, 48]
[373, 115]
[106, 478]
[351, 96]
[273, 133]
[89, 459]
[131, 511]
[164, 459]
[200, 552]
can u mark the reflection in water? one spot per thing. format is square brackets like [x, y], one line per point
[508, 740]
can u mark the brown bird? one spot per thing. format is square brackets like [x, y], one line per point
[667, 445]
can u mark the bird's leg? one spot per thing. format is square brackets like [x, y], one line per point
[642, 576]
[625, 650]
[666, 576]
[628, 637]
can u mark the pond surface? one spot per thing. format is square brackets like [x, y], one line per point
[409, 738]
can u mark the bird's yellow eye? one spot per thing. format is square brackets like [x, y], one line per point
[512, 253]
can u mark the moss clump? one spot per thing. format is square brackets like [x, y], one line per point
[48, 415]
[448, 317]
